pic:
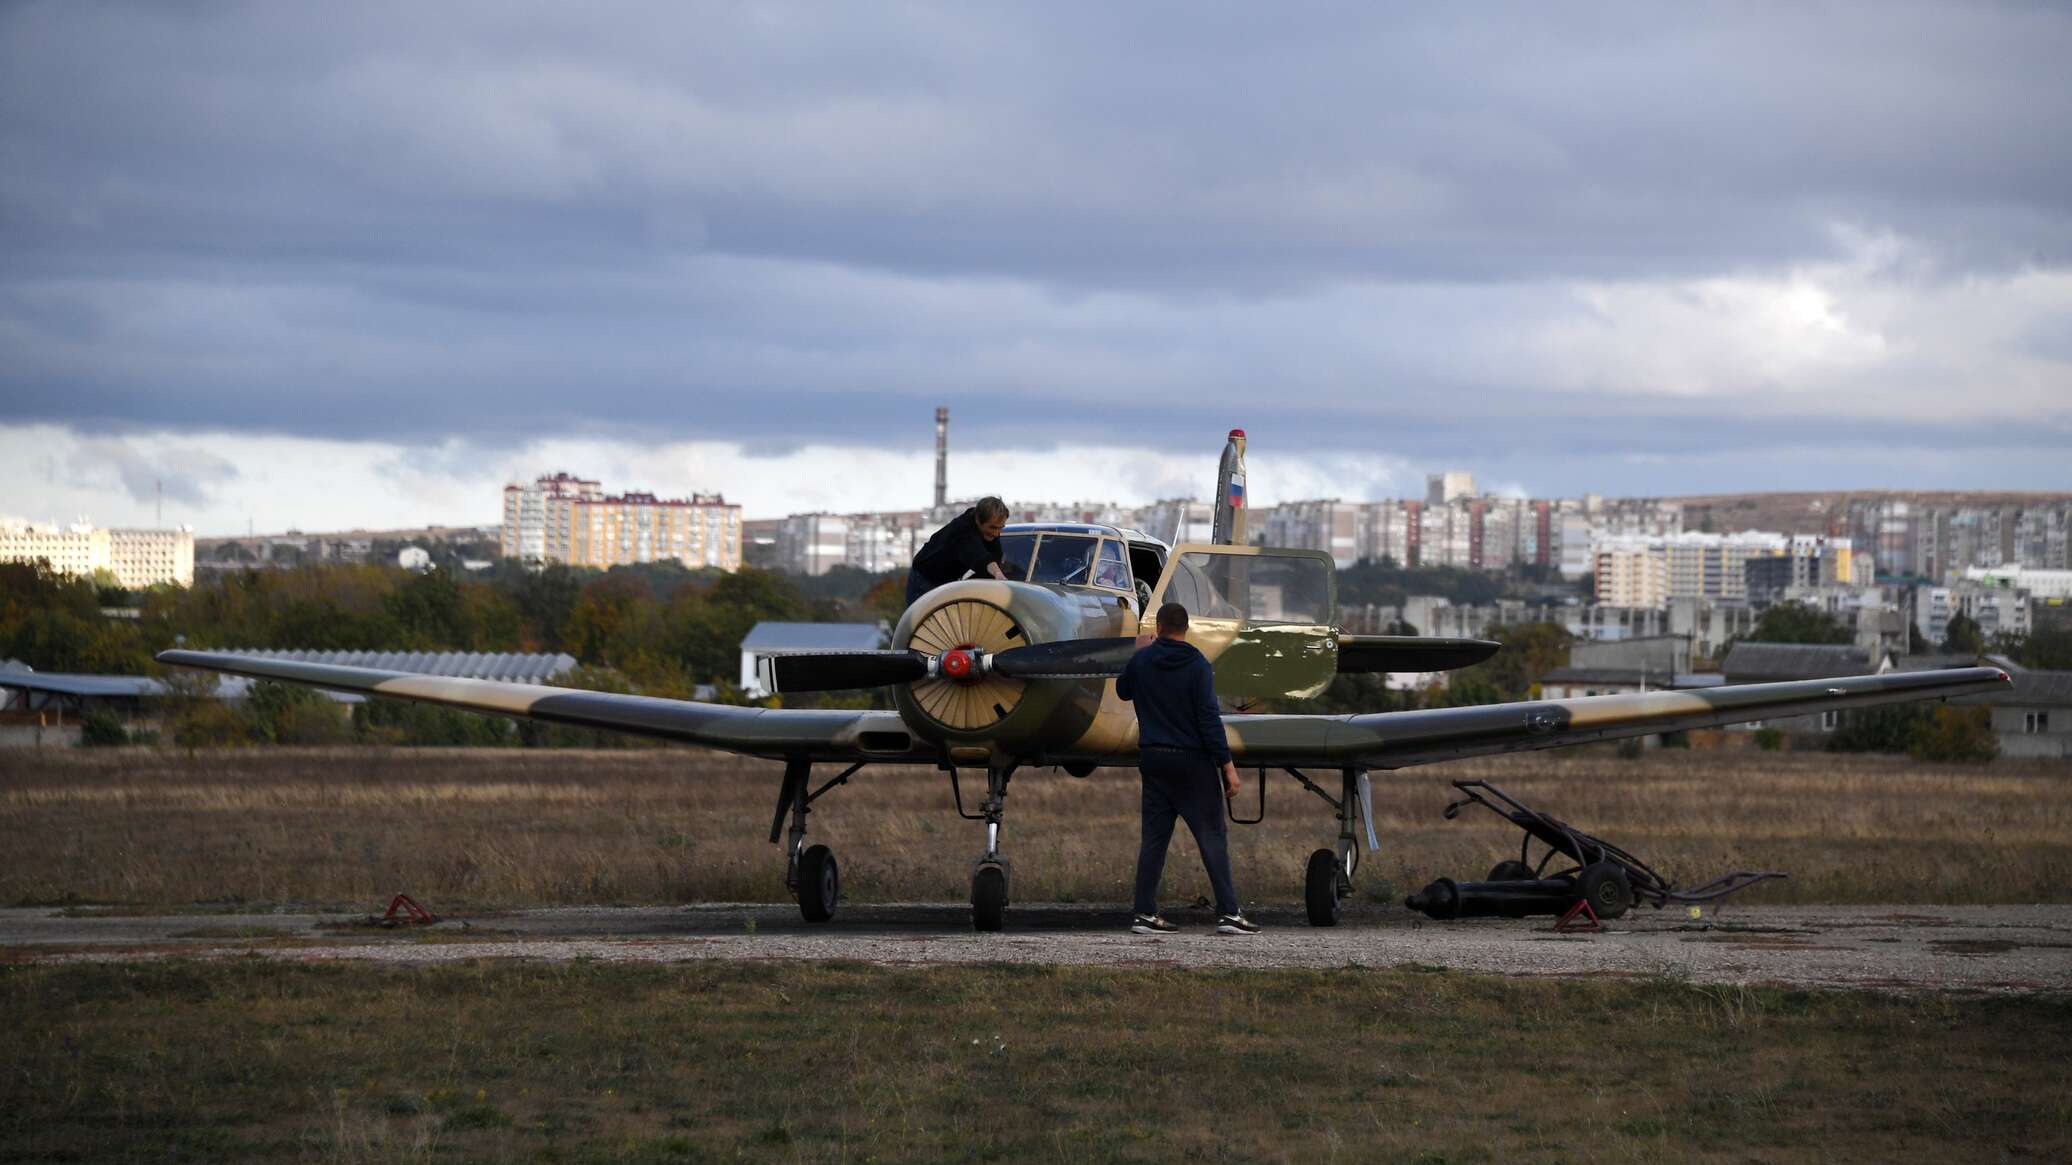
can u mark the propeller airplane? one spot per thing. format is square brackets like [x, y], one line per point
[1008, 675]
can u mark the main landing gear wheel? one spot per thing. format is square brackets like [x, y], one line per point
[1323, 888]
[1510, 870]
[820, 884]
[1604, 886]
[989, 898]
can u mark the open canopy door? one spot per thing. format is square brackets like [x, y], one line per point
[1266, 617]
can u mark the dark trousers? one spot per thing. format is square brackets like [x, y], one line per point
[1184, 785]
[916, 586]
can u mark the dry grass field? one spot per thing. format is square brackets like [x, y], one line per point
[798, 1062]
[150, 829]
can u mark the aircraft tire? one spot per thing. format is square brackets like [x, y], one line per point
[1510, 870]
[989, 899]
[820, 884]
[1604, 886]
[1320, 888]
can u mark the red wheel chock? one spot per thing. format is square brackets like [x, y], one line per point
[406, 905]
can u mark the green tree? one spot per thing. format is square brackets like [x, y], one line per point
[1892, 728]
[2047, 648]
[1795, 622]
[291, 714]
[1952, 733]
[429, 613]
[715, 621]
[102, 728]
[1962, 636]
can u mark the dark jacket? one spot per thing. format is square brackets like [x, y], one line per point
[1175, 694]
[956, 550]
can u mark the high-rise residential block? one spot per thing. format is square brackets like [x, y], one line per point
[567, 519]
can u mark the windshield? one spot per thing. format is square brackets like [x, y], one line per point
[1015, 552]
[1110, 570]
[1062, 558]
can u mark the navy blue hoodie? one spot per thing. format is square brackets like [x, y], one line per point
[1175, 693]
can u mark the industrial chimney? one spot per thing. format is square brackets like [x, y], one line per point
[942, 457]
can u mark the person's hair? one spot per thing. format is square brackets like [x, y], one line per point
[1172, 617]
[990, 509]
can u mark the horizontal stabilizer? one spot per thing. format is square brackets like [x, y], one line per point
[1400, 653]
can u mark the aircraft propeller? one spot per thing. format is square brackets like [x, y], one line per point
[836, 670]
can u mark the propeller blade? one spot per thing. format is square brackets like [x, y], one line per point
[1066, 659]
[828, 671]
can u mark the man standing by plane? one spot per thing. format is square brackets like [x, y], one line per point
[969, 545]
[1180, 750]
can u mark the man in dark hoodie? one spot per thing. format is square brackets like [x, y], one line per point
[1180, 750]
[968, 545]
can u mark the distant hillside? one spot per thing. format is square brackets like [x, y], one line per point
[1827, 512]
[403, 534]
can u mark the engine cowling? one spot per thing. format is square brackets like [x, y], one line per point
[976, 714]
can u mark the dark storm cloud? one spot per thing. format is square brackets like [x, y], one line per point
[782, 224]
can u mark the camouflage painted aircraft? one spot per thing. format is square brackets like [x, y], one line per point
[1003, 676]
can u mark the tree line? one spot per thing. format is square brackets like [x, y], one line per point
[658, 629]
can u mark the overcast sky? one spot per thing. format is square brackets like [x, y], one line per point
[357, 264]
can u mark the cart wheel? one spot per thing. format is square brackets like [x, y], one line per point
[1320, 888]
[1604, 886]
[1510, 870]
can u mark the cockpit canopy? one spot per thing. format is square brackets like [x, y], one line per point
[1082, 555]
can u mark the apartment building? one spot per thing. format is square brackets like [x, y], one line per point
[1938, 542]
[813, 544]
[539, 519]
[1711, 566]
[137, 558]
[1325, 524]
[566, 519]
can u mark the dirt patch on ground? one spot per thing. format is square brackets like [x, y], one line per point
[1991, 948]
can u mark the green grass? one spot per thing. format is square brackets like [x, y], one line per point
[250, 1060]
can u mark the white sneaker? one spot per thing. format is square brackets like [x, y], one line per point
[1236, 924]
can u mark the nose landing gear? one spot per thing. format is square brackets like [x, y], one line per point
[989, 872]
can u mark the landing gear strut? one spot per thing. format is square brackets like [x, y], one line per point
[989, 872]
[1329, 879]
[810, 873]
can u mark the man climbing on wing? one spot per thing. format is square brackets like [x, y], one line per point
[1185, 762]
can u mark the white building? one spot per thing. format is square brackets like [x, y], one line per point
[137, 558]
[813, 544]
[1443, 488]
[1177, 520]
[1711, 566]
[2041, 584]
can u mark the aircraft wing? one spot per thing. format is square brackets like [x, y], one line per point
[1391, 740]
[815, 734]
[1399, 653]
